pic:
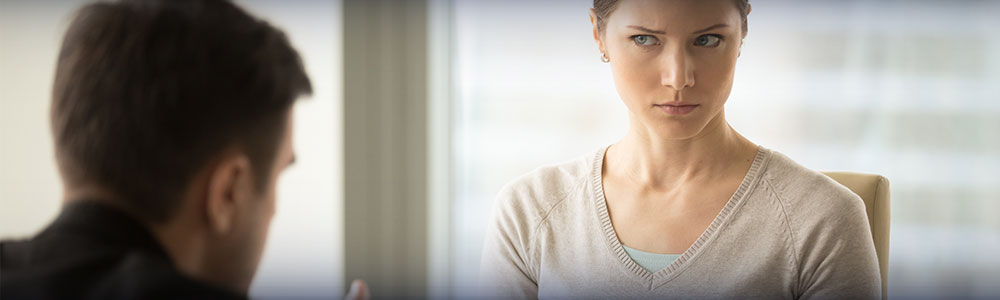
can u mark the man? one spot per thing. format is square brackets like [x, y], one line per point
[171, 121]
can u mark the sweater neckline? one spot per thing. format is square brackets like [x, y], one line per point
[664, 275]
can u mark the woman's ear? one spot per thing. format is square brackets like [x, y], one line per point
[596, 31]
[745, 16]
[740, 51]
[229, 188]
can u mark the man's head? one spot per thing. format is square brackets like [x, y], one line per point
[179, 112]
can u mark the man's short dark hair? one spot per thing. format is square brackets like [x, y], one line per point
[147, 93]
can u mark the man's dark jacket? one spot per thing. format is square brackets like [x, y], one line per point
[93, 251]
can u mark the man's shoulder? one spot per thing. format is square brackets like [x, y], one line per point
[38, 269]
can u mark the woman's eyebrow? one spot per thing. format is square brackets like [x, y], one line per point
[716, 26]
[720, 25]
[646, 29]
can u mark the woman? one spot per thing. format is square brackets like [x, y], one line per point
[683, 206]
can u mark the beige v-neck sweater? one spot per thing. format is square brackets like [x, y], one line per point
[786, 233]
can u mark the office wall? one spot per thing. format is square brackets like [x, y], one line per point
[30, 192]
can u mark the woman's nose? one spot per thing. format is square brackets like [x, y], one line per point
[677, 69]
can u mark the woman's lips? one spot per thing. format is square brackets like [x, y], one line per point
[677, 109]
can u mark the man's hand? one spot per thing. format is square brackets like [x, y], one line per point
[359, 291]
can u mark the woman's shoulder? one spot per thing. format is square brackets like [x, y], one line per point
[827, 224]
[803, 191]
[538, 191]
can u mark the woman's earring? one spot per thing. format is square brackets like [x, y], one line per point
[604, 58]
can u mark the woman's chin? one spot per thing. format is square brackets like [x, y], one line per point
[677, 131]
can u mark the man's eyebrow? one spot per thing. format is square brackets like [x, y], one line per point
[646, 29]
[720, 25]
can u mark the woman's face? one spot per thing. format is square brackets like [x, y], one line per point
[673, 61]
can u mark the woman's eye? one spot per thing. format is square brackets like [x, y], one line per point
[707, 40]
[644, 40]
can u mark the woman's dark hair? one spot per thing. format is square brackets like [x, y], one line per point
[604, 8]
[148, 92]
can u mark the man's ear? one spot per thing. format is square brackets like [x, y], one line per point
[229, 188]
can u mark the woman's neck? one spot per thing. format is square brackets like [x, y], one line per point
[650, 160]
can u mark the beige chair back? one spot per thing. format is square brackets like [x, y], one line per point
[874, 190]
